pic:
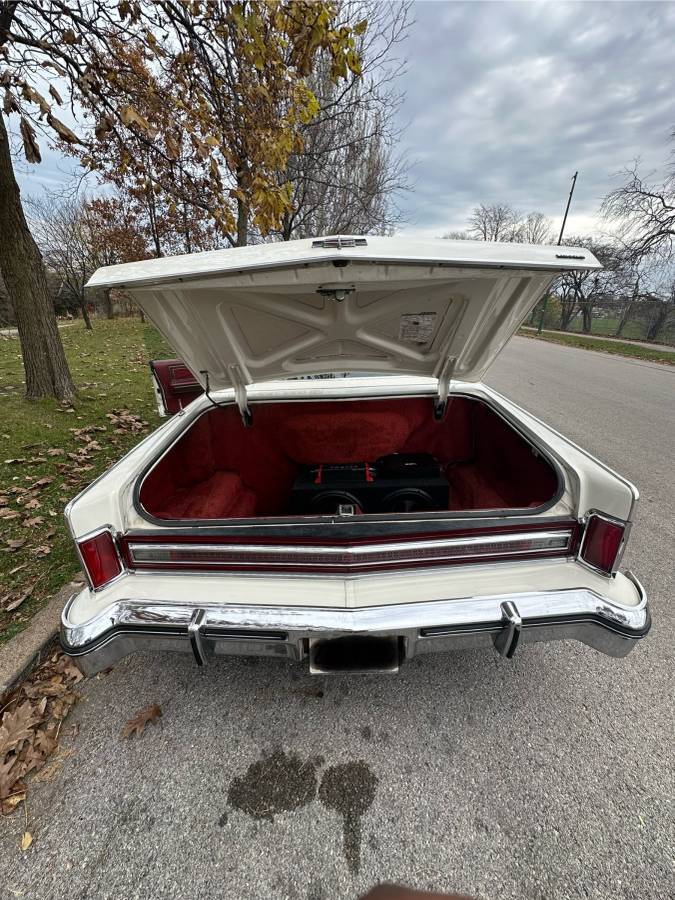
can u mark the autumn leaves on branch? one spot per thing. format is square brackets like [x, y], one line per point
[201, 103]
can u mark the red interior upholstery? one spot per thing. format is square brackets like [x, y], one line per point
[220, 469]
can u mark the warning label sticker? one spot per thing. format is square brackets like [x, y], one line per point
[417, 327]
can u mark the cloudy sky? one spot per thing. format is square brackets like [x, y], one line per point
[505, 100]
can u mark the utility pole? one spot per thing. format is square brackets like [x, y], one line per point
[567, 208]
[560, 237]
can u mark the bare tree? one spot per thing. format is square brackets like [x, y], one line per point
[496, 222]
[582, 291]
[61, 230]
[347, 174]
[501, 222]
[643, 208]
[534, 228]
[657, 310]
[567, 296]
[457, 236]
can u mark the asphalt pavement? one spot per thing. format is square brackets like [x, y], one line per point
[548, 776]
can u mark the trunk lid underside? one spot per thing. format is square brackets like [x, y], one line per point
[440, 308]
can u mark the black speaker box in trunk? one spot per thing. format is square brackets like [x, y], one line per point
[399, 482]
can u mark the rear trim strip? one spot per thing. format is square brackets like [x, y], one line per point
[181, 555]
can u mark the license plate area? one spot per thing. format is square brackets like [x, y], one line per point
[356, 654]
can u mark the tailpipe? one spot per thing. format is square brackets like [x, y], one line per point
[358, 654]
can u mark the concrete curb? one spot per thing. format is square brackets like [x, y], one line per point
[23, 652]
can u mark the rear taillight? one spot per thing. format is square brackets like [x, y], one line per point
[601, 542]
[100, 558]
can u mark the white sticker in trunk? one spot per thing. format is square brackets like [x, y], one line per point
[417, 327]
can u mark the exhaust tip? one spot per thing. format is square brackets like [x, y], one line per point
[362, 654]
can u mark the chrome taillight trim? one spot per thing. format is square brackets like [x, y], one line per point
[594, 513]
[353, 557]
[114, 534]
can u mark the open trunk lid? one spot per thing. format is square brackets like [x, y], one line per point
[343, 304]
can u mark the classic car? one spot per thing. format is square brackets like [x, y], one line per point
[337, 484]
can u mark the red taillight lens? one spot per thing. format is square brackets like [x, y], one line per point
[100, 558]
[602, 540]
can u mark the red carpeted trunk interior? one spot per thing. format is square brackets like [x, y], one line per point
[218, 469]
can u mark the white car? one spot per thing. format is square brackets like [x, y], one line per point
[354, 521]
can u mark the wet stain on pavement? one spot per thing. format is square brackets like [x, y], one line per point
[274, 784]
[350, 790]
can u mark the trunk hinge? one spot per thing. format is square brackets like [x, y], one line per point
[240, 394]
[444, 379]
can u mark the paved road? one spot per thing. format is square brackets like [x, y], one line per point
[550, 776]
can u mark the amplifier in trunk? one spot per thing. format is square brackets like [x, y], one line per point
[400, 482]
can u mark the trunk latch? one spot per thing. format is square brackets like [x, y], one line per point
[507, 639]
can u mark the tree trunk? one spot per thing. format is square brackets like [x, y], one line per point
[623, 321]
[587, 316]
[44, 362]
[85, 314]
[567, 311]
[108, 300]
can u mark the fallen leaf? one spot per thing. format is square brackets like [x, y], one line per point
[16, 543]
[33, 503]
[26, 840]
[15, 604]
[42, 550]
[12, 802]
[140, 720]
[7, 513]
[16, 727]
[33, 522]
[15, 462]
[43, 482]
[55, 451]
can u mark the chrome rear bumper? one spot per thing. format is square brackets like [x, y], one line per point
[502, 621]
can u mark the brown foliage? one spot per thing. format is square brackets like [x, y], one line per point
[201, 103]
[143, 718]
[30, 723]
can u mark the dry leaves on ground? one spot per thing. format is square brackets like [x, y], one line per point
[124, 420]
[30, 723]
[137, 725]
[14, 599]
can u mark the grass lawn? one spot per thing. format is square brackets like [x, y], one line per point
[49, 451]
[607, 328]
[618, 348]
